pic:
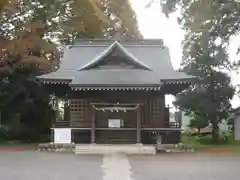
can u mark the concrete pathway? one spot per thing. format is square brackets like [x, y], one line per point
[117, 167]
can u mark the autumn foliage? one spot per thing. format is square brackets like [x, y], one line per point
[32, 36]
[32, 32]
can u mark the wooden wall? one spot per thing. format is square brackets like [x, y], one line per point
[129, 117]
[152, 108]
[153, 115]
[118, 137]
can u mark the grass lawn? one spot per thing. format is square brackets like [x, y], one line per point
[15, 145]
[228, 147]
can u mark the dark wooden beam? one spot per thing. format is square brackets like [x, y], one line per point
[122, 104]
[93, 127]
[116, 129]
[150, 119]
[52, 135]
[114, 96]
[138, 125]
[161, 129]
[162, 110]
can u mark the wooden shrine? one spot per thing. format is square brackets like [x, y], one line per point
[115, 92]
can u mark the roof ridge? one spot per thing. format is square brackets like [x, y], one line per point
[106, 45]
[108, 50]
[130, 40]
[114, 69]
[104, 42]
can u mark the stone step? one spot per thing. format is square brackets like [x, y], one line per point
[108, 149]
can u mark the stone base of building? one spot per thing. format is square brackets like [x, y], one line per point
[113, 148]
[100, 149]
[54, 147]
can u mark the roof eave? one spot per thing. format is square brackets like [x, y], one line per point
[115, 85]
[115, 88]
[187, 80]
[54, 81]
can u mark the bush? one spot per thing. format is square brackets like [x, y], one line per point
[205, 140]
[19, 132]
[4, 133]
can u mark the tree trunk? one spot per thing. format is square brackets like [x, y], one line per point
[0, 119]
[199, 130]
[215, 131]
[233, 130]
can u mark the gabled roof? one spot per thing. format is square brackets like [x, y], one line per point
[128, 57]
[150, 56]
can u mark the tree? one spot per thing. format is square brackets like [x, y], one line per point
[197, 122]
[208, 23]
[41, 26]
[3, 3]
[32, 34]
[208, 97]
[208, 29]
[123, 11]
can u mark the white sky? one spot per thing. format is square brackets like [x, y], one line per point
[153, 24]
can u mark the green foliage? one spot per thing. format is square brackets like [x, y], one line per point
[209, 25]
[124, 12]
[209, 96]
[208, 28]
[198, 122]
[4, 133]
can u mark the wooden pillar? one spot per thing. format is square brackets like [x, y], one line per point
[138, 125]
[150, 120]
[163, 120]
[52, 135]
[93, 128]
[66, 111]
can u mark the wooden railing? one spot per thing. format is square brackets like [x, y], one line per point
[61, 124]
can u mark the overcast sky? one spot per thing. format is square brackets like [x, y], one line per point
[153, 24]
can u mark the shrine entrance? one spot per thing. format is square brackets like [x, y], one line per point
[116, 123]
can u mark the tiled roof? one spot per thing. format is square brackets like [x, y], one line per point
[150, 55]
[115, 77]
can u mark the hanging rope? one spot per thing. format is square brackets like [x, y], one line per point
[115, 108]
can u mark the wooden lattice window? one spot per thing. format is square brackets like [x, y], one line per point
[156, 110]
[78, 113]
[156, 107]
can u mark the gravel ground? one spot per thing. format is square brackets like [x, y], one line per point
[185, 167]
[29, 165]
